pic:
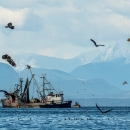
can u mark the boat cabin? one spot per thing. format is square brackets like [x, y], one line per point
[54, 98]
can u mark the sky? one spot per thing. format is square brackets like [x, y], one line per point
[63, 28]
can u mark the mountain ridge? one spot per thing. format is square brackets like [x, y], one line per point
[109, 53]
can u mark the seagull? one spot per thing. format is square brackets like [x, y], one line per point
[95, 43]
[128, 39]
[6, 93]
[103, 112]
[124, 82]
[9, 25]
[9, 59]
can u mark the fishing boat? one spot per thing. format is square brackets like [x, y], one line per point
[76, 105]
[48, 97]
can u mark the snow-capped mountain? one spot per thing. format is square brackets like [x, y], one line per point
[67, 65]
[108, 54]
[102, 72]
[40, 61]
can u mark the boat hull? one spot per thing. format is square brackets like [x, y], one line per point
[9, 104]
[66, 104]
[62, 105]
[76, 106]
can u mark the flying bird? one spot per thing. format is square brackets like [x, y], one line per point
[9, 25]
[8, 58]
[83, 82]
[103, 112]
[128, 39]
[8, 94]
[95, 43]
[124, 82]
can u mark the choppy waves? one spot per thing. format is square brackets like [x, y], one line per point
[87, 118]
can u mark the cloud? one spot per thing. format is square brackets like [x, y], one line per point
[17, 17]
[15, 4]
[54, 26]
[32, 22]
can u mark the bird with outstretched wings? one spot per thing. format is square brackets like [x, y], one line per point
[95, 43]
[9, 25]
[124, 83]
[128, 39]
[9, 94]
[103, 112]
[9, 59]
[5, 92]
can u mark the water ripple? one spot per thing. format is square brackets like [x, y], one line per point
[87, 118]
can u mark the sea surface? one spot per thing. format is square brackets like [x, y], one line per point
[85, 118]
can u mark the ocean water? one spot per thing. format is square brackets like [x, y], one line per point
[85, 118]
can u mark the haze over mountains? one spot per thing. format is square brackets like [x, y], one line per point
[93, 74]
[67, 65]
[8, 77]
[115, 72]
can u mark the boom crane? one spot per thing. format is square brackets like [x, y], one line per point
[38, 89]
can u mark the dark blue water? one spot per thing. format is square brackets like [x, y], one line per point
[87, 118]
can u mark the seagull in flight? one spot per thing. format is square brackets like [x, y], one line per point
[128, 39]
[9, 25]
[103, 112]
[95, 43]
[6, 93]
[124, 82]
[9, 59]
[83, 82]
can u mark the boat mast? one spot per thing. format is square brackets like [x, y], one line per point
[38, 90]
[43, 87]
[26, 87]
[49, 88]
[21, 81]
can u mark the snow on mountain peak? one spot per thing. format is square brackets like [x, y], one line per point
[97, 54]
[23, 59]
[116, 51]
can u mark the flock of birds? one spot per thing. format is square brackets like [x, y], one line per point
[125, 82]
[9, 59]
